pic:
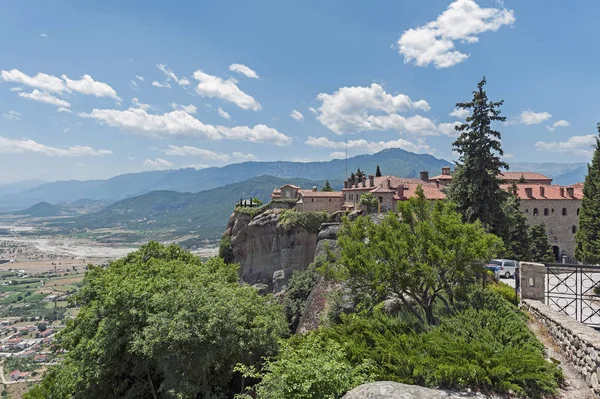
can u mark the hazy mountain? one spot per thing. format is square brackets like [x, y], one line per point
[42, 209]
[561, 173]
[392, 161]
[204, 213]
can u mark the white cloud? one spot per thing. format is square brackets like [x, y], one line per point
[45, 97]
[177, 123]
[560, 123]
[297, 115]
[190, 109]
[368, 147]
[240, 156]
[157, 164]
[214, 86]
[187, 150]
[171, 76]
[62, 109]
[576, 145]
[507, 156]
[140, 78]
[12, 115]
[464, 20]
[244, 70]
[40, 81]
[314, 111]
[359, 109]
[223, 113]
[184, 82]
[88, 86]
[14, 146]
[533, 118]
[43, 35]
[256, 134]
[137, 104]
[197, 166]
[161, 85]
[338, 155]
[134, 85]
[460, 113]
[16, 88]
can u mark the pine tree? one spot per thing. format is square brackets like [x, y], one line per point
[327, 186]
[378, 172]
[588, 235]
[360, 174]
[516, 234]
[475, 184]
[540, 249]
[352, 177]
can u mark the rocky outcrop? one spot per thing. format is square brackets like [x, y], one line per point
[262, 247]
[394, 390]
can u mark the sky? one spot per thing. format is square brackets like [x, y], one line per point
[99, 88]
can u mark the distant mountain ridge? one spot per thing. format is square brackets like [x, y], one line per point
[391, 161]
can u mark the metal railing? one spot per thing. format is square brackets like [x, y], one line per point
[571, 289]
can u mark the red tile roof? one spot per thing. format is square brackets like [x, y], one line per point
[291, 185]
[441, 177]
[551, 192]
[320, 194]
[525, 175]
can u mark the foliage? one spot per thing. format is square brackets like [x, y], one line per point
[506, 291]
[378, 172]
[256, 201]
[19, 363]
[420, 256]
[298, 289]
[369, 201]
[485, 346]
[516, 236]
[475, 185]
[226, 250]
[327, 187]
[540, 249]
[312, 368]
[290, 201]
[42, 327]
[588, 234]
[151, 324]
[310, 221]
[252, 212]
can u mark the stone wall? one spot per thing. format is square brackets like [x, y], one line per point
[533, 281]
[330, 205]
[559, 227]
[578, 342]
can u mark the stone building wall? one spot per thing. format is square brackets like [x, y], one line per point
[330, 205]
[578, 342]
[559, 227]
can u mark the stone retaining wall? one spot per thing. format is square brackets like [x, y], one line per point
[578, 342]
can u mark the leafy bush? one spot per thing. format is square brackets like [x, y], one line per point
[311, 221]
[226, 250]
[505, 291]
[312, 368]
[252, 212]
[484, 346]
[298, 289]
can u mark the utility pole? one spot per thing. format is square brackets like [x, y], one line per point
[346, 156]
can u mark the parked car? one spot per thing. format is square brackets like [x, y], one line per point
[506, 267]
[493, 268]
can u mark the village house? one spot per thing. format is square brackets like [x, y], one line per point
[14, 376]
[310, 200]
[44, 334]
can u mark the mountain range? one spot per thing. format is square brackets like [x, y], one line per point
[391, 161]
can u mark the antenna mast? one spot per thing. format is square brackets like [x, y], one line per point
[346, 156]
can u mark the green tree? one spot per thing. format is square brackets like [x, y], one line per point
[540, 249]
[298, 289]
[226, 250]
[359, 175]
[588, 235]
[378, 172]
[369, 201]
[159, 323]
[42, 327]
[327, 187]
[516, 234]
[352, 178]
[256, 201]
[475, 184]
[420, 256]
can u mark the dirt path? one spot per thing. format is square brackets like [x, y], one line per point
[575, 386]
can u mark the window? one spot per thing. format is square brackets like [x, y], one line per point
[288, 194]
[526, 210]
[577, 211]
[312, 200]
[344, 197]
[535, 212]
[380, 199]
[545, 211]
[329, 199]
[564, 211]
[552, 210]
[574, 229]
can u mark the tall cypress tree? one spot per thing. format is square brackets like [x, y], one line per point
[378, 172]
[588, 235]
[475, 185]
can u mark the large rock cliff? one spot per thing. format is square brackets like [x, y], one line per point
[262, 247]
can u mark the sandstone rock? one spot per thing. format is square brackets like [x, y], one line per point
[593, 354]
[394, 390]
[354, 214]
[594, 381]
[329, 231]
[279, 281]
[392, 306]
[261, 288]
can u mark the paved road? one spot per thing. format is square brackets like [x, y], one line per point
[508, 281]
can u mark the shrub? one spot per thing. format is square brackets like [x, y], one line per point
[311, 221]
[226, 250]
[505, 291]
[296, 294]
[252, 212]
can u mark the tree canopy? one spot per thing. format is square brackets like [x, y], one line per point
[327, 187]
[475, 184]
[159, 323]
[368, 201]
[422, 255]
[378, 172]
[588, 234]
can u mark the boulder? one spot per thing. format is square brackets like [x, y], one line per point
[394, 390]
[329, 231]
[279, 281]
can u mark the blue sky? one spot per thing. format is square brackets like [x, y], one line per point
[381, 73]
